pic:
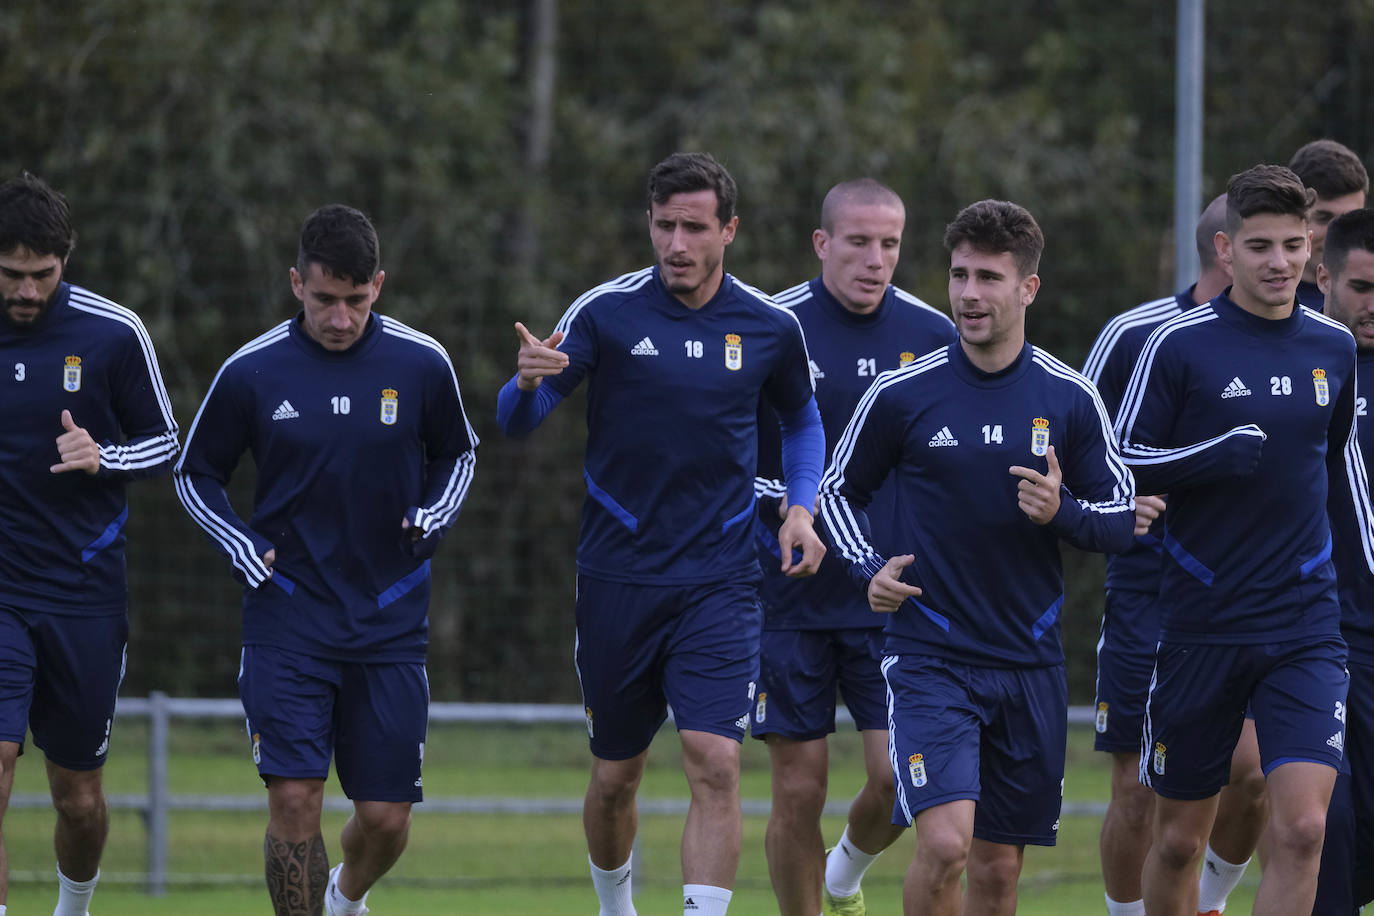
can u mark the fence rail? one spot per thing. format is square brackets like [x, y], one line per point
[158, 803]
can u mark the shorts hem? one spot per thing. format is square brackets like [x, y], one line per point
[1186, 794]
[266, 775]
[723, 731]
[1297, 758]
[84, 766]
[1117, 747]
[1016, 839]
[761, 733]
[941, 800]
[413, 798]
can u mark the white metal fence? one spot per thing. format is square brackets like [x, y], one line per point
[157, 804]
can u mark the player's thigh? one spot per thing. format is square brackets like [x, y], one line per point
[796, 687]
[622, 634]
[1193, 716]
[379, 731]
[1023, 751]
[289, 699]
[1125, 665]
[18, 661]
[1299, 704]
[80, 664]
[935, 734]
[711, 663]
[861, 676]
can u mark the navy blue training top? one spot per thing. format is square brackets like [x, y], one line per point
[62, 535]
[1109, 366]
[847, 352]
[346, 443]
[672, 414]
[947, 432]
[1242, 420]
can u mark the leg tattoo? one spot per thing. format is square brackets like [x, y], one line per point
[296, 875]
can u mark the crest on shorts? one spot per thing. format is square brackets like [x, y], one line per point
[1159, 759]
[1040, 436]
[734, 352]
[71, 374]
[1322, 386]
[590, 732]
[1101, 724]
[761, 709]
[389, 396]
[905, 358]
[257, 747]
[917, 768]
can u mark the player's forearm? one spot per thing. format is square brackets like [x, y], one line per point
[1103, 527]
[1235, 453]
[803, 453]
[140, 458]
[208, 505]
[518, 411]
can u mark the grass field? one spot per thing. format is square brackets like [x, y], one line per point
[486, 864]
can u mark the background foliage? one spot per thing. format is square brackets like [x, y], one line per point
[501, 150]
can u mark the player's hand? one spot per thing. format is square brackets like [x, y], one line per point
[76, 448]
[1037, 494]
[268, 559]
[1147, 509]
[413, 533]
[797, 533]
[537, 358]
[886, 590]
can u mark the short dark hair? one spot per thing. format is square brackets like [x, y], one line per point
[35, 216]
[1351, 231]
[1266, 189]
[1212, 221]
[860, 191]
[995, 226]
[682, 173]
[1331, 169]
[342, 241]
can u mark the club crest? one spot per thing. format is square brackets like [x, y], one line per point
[905, 358]
[389, 402]
[917, 768]
[71, 374]
[734, 352]
[1322, 386]
[1040, 436]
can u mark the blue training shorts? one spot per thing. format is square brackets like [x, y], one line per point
[370, 718]
[1125, 664]
[800, 672]
[59, 675]
[994, 735]
[1296, 689]
[643, 647]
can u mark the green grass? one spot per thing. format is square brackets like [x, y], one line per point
[484, 864]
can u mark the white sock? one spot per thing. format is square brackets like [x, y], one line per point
[340, 905]
[704, 900]
[1132, 908]
[73, 897]
[845, 867]
[1219, 878]
[613, 889]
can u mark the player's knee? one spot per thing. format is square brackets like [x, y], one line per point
[882, 790]
[295, 807]
[1133, 807]
[995, 876]
[1250, 787]
[1178, 848]
[385, 821]
[943, 851]
[713, 768]
[800, 789]
[1300, 835]
[79, 802]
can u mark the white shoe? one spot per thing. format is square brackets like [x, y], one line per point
[331, 889]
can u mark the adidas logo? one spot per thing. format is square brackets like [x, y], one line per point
[1337, 741]
[285, 411]
[690, 904]
[815, 369]
[644, 348]
[1236, 389]
[742, 722]
[943, 437]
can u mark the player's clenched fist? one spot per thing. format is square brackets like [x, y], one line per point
[537, 358]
